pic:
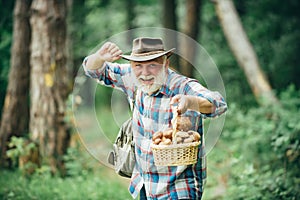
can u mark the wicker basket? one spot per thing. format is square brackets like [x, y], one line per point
[175, 154]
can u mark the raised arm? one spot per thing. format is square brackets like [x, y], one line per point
[108, 52]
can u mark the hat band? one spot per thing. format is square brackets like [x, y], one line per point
[145, 49]
[146, 54]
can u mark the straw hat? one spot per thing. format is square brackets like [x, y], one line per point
[145, 48]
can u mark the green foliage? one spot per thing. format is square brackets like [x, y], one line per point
[23, 154]
[85, 179]
[19, 146]
[264, 144]
[213, 41]
[275, 38]
[41, 186]
[107, 122]
[78, 163]
[258, 150]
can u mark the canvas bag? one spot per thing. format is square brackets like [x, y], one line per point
[122, 157]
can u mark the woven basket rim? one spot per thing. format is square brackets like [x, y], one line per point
[175, 146]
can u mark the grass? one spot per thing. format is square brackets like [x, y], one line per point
[87, 179]
[94, 185]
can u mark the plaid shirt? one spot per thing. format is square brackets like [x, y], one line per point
[153, 113]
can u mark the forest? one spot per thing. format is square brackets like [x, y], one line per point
[57, 126]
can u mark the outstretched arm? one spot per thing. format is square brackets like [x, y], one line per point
[195, 103]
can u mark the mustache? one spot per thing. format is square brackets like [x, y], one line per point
[146, 77]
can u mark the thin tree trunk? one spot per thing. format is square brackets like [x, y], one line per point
[170, 22]
[15, 116]
[130, 4]
[244, 52]
[191, 29]
[49, 81]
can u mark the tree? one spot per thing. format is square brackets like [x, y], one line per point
[191, 29]
[169, 21]
[130, 15]
[244, 52]
[6, 27]
[15, 116]
[49, 81]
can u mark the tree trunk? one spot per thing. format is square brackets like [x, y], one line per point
[169, 21]
[130, 14]
[49, 81]
[244, 52]
[15, 116]
[191, 29]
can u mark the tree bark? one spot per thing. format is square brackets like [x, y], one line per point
[130, 14]
[191, 29]
[49, 81]
[244, 52]
[169, 21]
[15, 116]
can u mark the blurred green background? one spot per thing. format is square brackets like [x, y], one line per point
[257, 155]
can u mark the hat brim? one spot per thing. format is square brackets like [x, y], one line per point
[141, 58]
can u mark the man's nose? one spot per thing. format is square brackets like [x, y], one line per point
[145, 71]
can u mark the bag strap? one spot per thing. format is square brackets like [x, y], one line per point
[134, 97]
[126, 129]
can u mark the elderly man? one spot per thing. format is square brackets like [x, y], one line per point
[149, 81]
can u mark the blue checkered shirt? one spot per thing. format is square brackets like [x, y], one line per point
[153, 113]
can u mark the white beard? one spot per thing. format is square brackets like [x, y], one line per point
[159, 80]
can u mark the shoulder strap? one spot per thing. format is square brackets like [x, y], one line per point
[134, 98]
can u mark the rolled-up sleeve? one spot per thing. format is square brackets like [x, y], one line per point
[195, 88]
[95, 73]
[110, 74]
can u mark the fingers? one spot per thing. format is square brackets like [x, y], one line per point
[110, 51]
[182, 105]
[105, 47]
[114, 50]
[111, 48]
[181, 102]
[175, 99]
